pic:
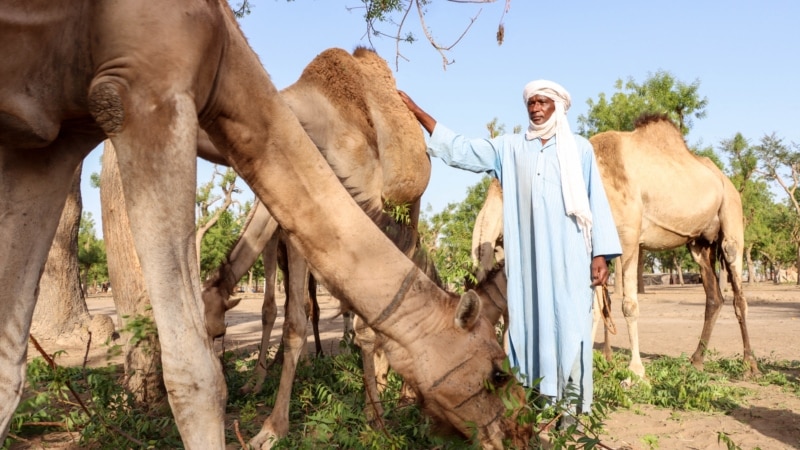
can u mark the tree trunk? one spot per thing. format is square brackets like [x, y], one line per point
[797, 264]
[751, 270]
[61, 314]
[142, 358]
[678, 267]
[640, 272]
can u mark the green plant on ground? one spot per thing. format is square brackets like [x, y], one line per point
[327, 406]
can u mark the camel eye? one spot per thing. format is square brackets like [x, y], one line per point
[500, 377]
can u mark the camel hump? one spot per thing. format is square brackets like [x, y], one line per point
[649, 118]
[336, 74]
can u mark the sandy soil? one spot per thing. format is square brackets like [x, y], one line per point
[670, 324]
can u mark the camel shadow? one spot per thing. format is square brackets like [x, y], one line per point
[780, 424]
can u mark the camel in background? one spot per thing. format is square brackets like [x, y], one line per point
[662, 196]
[148, 75]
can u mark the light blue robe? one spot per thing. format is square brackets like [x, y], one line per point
[547, 264]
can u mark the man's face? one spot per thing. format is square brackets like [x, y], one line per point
[540, 109]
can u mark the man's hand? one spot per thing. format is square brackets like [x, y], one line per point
[427, 122]
[599, 271]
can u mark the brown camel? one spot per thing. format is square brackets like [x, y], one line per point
[148, 75]
[379, 153]
[662, 196]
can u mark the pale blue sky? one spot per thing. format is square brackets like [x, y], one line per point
[746, 55]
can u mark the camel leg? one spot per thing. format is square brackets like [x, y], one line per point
[347, 326]
[373, 366]
[269, 313]
[630, 302]
[703, 253]
[731, 253]
[276, 425]
[35, 185]
[314, 313]
[154, 165]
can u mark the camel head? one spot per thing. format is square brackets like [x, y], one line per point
[459, 372]
[217, 301]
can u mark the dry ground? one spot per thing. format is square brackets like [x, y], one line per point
[670, 324]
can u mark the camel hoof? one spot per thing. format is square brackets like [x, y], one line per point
[626, 384]
[264, 440]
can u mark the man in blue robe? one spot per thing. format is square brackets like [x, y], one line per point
[558, 235]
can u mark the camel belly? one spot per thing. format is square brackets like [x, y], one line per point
[662, 235]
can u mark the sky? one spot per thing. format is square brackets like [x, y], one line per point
[744, 54]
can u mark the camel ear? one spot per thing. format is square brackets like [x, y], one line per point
[468, 311]
[232, 302]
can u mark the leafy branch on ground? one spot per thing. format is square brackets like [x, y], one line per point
[327, 406]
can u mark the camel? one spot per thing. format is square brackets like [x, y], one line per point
[375, 171]
[662, 196]
[148, 76]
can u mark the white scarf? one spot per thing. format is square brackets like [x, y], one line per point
[573, 187]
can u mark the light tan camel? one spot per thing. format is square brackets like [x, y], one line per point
[662, 196]
[376, 169]
[148, 75]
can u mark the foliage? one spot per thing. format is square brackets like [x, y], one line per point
[91, 253]
[452, 242]
[109, 418]
[659, 93]
[327, 405]
[218, 241]
[780, 163]
[400, 213]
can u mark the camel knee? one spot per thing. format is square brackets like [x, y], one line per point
[630, 308]
[106, 105]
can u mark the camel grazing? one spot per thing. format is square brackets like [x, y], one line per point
[148, 75]
[662, 196]
[376, 170]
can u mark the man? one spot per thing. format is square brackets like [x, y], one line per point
[558, 235]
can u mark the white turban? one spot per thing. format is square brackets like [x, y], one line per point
[576, 199]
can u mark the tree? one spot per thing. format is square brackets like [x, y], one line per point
[207, 216]
[659, 93]
[755, 194]
[61, 313]
[452, 251]
[780, 163]
[378, 13]
[91, 254]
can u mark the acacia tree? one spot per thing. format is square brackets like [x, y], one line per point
[659, 93]
[208, 195]
[780, 163]
[395, 15]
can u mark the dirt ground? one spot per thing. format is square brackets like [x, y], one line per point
[671, 319]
